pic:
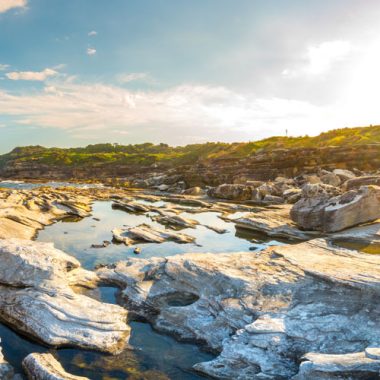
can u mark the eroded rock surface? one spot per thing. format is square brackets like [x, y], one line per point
[36, 299]
[261, 312]
[323, 213]
[46, 367]
[355, 366]
[274, 222]
[147, 233]
[24, 212]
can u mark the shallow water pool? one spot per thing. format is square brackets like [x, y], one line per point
[152, 356]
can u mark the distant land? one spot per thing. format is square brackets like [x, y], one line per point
[113, 160]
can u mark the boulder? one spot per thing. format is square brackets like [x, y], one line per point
[233, 192]
[356, 183]
[36, 299]
[46, 367]
[331, 179]
[260, 312]
[344, 174]
[317, 211]
[273, 222]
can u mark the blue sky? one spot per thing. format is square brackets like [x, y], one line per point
[74, 72]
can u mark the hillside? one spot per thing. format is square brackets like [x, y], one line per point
[148, 154]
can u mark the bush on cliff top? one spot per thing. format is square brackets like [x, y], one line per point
[148, 153]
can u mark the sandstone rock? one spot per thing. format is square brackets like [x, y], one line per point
[6, 370]
[194, 191]
[231, 192]
[176, 220]
[36, 299]
[272, 199]
[130, 206]
[23, 213]
[354, 366]
[46, 367]
[163, 187]
[273, 222]
[331, 179]
[321, 213]
[343, 174]
[147, 233]
[356, 183]
[254, 184]
[260, 312]
[292, 195]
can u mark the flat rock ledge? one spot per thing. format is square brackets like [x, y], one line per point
[36, 299]
[348, 366]
[46, 367]
[24, 212]
[261, 312]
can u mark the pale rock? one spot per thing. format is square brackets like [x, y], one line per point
[46, 367]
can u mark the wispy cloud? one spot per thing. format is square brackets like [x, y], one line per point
[320, 59]
[3, 67]
[6, 5]
[131, 77]
[92, 33]
[31, 75]
[91, 51]
[195, 110]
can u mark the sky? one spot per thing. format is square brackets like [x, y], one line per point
[78, 72]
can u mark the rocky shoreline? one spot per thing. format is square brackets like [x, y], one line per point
[306, 310]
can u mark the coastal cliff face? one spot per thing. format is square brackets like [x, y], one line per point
[261, 166]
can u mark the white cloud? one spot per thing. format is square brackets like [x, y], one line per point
[321, 58]
[3, 67]
[91, 51]
[31, 75]
[6, 5]
[92, 33]
[172, 115]
[131, 77]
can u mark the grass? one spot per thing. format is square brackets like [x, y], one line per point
[148, 154]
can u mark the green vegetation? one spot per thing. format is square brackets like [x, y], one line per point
[148, 154]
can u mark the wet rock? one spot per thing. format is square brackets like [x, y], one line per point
[130, 206]
[147, 233]
[176, 220]
[103, 245]
[321, 213]
[137, 250]
[234, 192]
[37, 300]
[260, 312]
[46, 367]
[347, 366]
[216, 229]
[163, 187]
[6, 370]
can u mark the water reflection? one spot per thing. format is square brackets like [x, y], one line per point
[77, 238]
